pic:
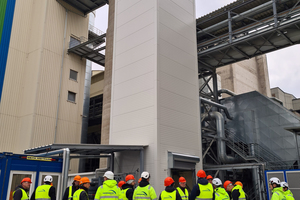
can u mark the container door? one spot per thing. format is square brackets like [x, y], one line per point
[15, 179]
[56, 181]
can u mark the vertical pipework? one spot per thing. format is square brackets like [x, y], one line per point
[230, 26]
[275, 14]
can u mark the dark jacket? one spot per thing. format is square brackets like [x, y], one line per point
[129, 192]
[143, 183]
[171, 189]
[52, 193]
[235, 194]
[84, 195]
[18, 192]
[195, 191]
[66, 194]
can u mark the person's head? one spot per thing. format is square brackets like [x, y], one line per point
[201, 174]
[85, 182]
[274, 182]
[239, 183]
[169, 182]
[145, 175]
[228, 186]
[76, 180]
[48, 179]
[120, 184]
[130, 179]
[26, 183]
[284, 186]
[209, 178]
[182, 182]
[216, 182]
[108, 175]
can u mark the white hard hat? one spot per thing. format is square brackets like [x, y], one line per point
[274, 180]
[145, 175]
[216, 181]
[109, 175]
[284, 184]
[48, 178]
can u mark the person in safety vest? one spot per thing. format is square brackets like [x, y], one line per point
[120, 184]
[237, 192]
[241, 184]
[219, 192]
[82, 192]
[68, 195]
[144, 191]
[127, 188]
[46, 191]
[21, 191]
[209, 179]
[170, 193]
[288, 194]
[109, 190]
[203, 189]
[182, 189]
[277, 192]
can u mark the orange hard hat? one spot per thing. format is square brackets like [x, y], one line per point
[226, 183]
[121, 183]
[140, 180]
[182, 180]
[209, 177]
[129, 177]
[239, 183]
[84, 180]
[201, 173]
[77, 178]
[27, 179]
[169, 181]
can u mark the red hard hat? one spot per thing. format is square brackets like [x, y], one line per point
[26, 180]
[77, 178]
[121, 183]
[129, 177]
[201, 173]
[209, 177]
[169, 181]
[226, 183]
[182, 180]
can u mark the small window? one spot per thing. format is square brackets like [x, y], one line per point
[74, 42]
[71, 96]
[73, 75]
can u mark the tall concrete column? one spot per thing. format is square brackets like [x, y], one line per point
[154, 98]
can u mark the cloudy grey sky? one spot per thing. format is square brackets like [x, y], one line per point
[283, 65]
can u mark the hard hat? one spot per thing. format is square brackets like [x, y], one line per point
[169, 181]
[48, 178]
[226, 183]
[84, 180]
[239, 183]
[129, 177]
[140, 180]
[121, 183]
[109, 175]
[209, 177]
[145, 175]
[77, 178]
[284, 184]
[274, 180]
[201, 173]
[216, 181]
[182, 180]
[27, 179]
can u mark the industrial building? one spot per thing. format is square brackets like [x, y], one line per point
[149, 96]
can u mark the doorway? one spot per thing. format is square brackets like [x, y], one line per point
[189, 176]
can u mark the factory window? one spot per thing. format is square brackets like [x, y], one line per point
[73, 75]
[71, 96]
[74, 41]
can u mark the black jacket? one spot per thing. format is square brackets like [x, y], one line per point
[171, 189]
[235, 194]
[52, 194]
[18, 192]
[129, 192]
[66, 194]
[195, 191]
[84, 195]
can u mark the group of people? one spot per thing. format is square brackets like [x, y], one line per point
[207, 188]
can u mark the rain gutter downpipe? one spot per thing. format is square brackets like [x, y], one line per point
[65, 167]
[216, 105]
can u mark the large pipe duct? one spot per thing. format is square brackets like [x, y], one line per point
[216, 105]
[222, 156]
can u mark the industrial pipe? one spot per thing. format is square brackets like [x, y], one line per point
[217, 105]
[227, 92]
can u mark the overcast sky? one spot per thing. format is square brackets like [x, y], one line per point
[283, 65]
